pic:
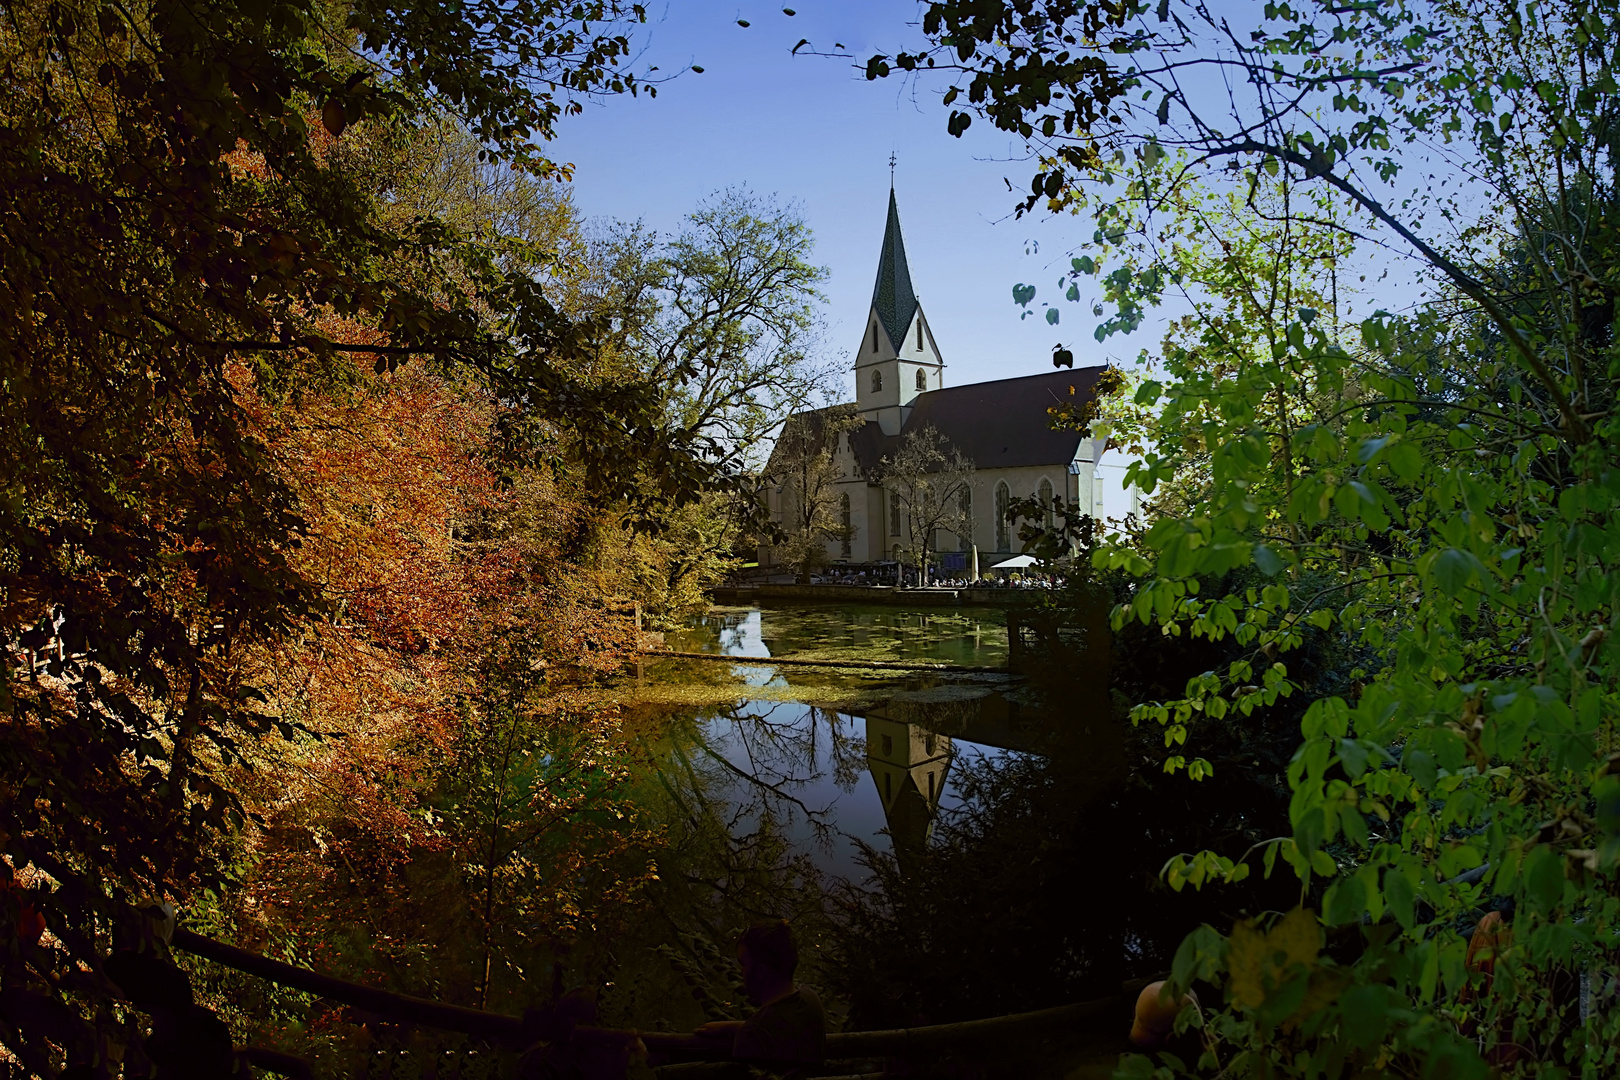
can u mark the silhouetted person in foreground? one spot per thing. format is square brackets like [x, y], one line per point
[1154, 1025]
[790, 1028]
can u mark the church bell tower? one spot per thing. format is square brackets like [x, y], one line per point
[897, 358]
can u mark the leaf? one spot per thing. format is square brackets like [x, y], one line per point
[1344, 901]
[1544, 878]
[1368, 1012]
[1052, 316]
[1259, 961]
[1401, 896]
[333, 117]
[1353, 757]
[1267, 560]
[1455, 570]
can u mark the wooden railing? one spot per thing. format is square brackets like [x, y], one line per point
[516, 1033]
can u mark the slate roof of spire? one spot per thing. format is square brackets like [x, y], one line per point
[893, 296]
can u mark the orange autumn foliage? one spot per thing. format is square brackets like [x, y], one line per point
[430, 565]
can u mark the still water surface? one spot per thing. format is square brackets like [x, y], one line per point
[828, 759]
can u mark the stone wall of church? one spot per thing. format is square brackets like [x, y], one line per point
[1021, 483]
[1098, 486]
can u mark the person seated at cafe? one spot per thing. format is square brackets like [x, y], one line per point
[789, 1030]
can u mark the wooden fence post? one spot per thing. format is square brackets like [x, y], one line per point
[1015, 640]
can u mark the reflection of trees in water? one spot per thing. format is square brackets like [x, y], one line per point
[726, 787]
[741, 794]
[718, 631]
[1006, 908]
[762, 769]
[734, 787]
[764, 758]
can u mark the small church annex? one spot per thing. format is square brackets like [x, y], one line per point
[1003, 426]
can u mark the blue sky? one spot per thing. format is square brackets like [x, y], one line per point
[814, 131]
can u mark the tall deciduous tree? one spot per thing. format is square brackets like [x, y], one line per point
[804, 472]
[929, 480]
[724, 315]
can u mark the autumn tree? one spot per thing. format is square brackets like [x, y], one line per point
[191, 258]
[930, 482]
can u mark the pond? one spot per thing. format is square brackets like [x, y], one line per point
[951, 843]
[829, 760]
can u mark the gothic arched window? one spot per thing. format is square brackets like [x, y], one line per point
[1046, 502]
[964, 503]
[1003, 503]
[919, 334]
[877, 380]
[922, 379]
[843, 520]
[874, 337]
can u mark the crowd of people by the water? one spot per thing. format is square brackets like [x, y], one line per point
[906, 577]
[1011, 581]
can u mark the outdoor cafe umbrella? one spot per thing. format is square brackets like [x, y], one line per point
[1017, 562]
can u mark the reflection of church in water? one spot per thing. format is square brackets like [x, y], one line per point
[909, 756]
[909, 763]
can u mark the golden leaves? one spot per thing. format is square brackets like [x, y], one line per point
[1265, 967]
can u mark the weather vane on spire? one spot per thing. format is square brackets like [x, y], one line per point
[891, 170]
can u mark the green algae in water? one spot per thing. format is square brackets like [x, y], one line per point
[857, 633]
[698, 684]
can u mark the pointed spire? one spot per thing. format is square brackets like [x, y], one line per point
[892, 297]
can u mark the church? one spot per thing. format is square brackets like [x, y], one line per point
[1002, 426]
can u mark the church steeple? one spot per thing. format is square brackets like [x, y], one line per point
[897, 358]
[893, 298]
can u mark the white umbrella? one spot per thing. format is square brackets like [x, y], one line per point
[1017, 562]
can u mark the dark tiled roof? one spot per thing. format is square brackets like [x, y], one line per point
[871, 446]
[1004, 424]
[1000, 425]
[893, 296]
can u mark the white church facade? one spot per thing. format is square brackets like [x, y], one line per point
[1003, 426]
